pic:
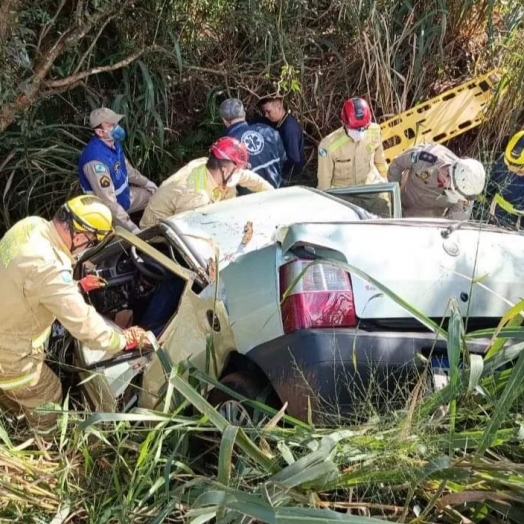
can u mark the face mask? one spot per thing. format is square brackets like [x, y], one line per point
[118, 133]
[355, 134]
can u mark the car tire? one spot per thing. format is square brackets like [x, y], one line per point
[248, 384]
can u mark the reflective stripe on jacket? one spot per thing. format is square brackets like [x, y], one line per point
[342, 162]
[36, 279]
[506, 189]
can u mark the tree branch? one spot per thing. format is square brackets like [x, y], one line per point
[93, 43]
[60, 90]
[64, 82]
[68, 38]
[46, 28]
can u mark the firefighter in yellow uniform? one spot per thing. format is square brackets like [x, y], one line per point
[36, 279]
[354, 156]
[204, 181]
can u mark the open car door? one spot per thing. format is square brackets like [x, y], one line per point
[198, 330]
[360, 195]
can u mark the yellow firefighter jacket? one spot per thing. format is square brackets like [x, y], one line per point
[342, 162]
[36, 279]
[192, 187]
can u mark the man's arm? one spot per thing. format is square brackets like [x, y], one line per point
[59, 293]
[189, 200]
[326, 166]
[99, 178]
[137, 178]
[293, 144]
[380, 160]
[253, 182]
[282, 156]
[401, 163]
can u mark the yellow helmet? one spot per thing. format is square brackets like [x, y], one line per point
[88, 213]
[514, 154]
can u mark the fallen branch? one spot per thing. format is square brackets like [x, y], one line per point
[34, 85]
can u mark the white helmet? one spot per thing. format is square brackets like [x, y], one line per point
[467, 179]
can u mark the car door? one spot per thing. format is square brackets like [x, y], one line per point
[391, 189]
[199, 331]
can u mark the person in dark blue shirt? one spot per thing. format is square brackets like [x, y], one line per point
[506, 185]
[286, 124]
[266, 149]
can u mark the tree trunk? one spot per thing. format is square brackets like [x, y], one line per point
[37, 83]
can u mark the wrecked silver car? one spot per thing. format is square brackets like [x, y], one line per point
[268, 279]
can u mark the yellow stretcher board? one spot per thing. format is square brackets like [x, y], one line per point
[444, 117]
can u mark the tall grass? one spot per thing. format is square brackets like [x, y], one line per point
[453, 455]
[449, 456]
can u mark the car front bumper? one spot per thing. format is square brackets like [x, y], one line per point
[328, 375]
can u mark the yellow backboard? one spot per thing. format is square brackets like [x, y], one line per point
[444, 117]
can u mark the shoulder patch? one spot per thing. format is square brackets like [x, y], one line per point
[100, 168]
[322, 152]
[105, 181]
[424, 156]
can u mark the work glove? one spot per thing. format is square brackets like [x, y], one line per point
[135, 337]
[90, 283]
[151, 187]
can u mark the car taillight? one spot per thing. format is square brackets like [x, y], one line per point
[322, 296]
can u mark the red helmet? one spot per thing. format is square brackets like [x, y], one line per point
[229, 148]
[356, 114]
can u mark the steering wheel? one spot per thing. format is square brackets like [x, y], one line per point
[148, 266]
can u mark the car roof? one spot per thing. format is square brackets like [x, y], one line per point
[224, 222]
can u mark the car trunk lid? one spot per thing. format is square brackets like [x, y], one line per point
[413, 259]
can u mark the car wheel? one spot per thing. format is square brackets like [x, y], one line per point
[250, 385]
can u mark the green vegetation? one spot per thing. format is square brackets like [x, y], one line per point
[168, 65]
[445, 457]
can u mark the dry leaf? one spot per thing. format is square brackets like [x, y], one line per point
[248, 233]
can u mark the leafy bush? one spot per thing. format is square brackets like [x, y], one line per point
[168, 66]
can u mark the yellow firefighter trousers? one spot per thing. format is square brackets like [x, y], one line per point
[26, 399]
